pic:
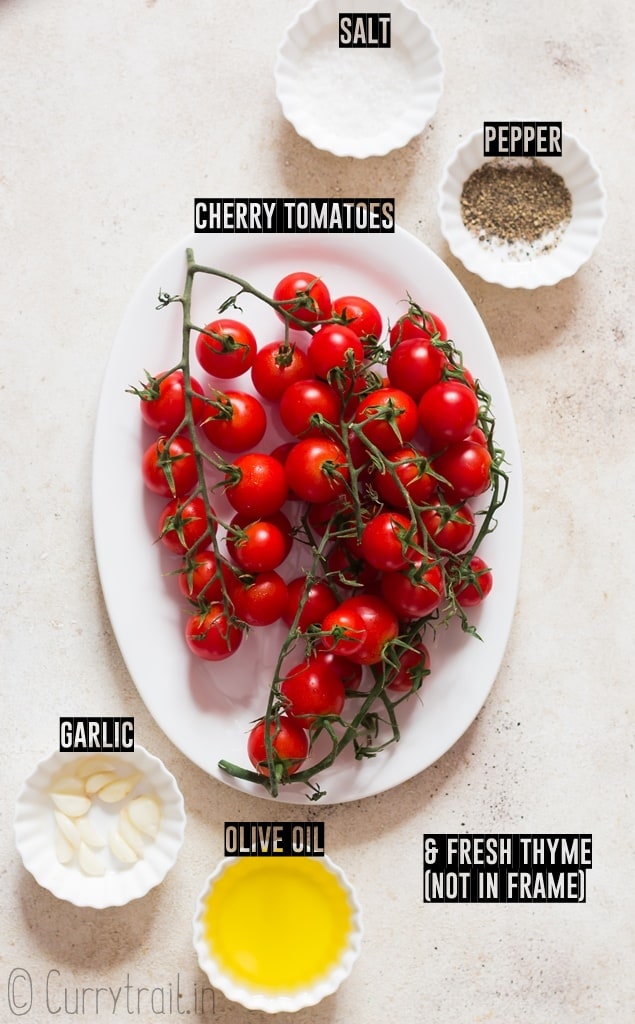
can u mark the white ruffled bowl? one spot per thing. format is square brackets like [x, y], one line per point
[274, 1000]
[501, 264]
[34, 826]
[358, 102]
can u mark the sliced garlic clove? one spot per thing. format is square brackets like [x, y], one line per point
[92, 764]
[63, 849]
[119, 789]
[90, 862]
[121, 849]
[98, 780]
[69, 784]
[144, 812]
[89, 834]
[70, 805]
[68, 828]
[130, 832]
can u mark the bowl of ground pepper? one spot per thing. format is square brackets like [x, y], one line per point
[522, 222]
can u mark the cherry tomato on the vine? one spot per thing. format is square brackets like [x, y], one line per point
[259, 600]
[388, 417]
[231, 350]
[385, 541]
[361, 316]
[410, 478]
[466, 468]
[415, 365]
[170, 469]
[349, 672]
[310, 690]
[415, 592]
[201, 577]
[451, 529]
[381, 626]
[304, 399]
[211, 635]
[163, 404]
[448, 412]
[333, 347]
[345, 631]
[235, 421]
[316, 469]
[317, 601]
[305, 296]
[290, 746]
[477, 584]
[183, 525]
[256, 546]
[412, 325]
[256, 484]
[276, 366]
[414, 666]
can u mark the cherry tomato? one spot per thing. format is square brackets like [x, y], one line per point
[477, 584]
[211, 635]
[318, 600]
[415, 365]
[448, 412]
[346, 631]
[466, 468]
[412, 325]
[170, 469]
[164, 407]
[259, 600]
[349, 672]
[414, 593]
[334, 347]
[256, 547]
[201, 577]
[305, 296]
[290, 746]
[384, 541]
[235, 421]
[389, 418]
[230, 352]
[304, 399]
[361, 316]
[256, 484]
[381, 626]
[316, 469]
[414, 666]
[451, 529]
[407, 465]
[276, 366]
[311, 690]
[183, 525]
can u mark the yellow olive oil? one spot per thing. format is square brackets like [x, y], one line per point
[277, 923]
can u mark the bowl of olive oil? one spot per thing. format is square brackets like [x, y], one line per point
[246, 908]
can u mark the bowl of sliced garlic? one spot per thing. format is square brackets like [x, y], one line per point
[99, 830]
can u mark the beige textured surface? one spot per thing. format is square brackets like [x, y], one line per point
[114, 115]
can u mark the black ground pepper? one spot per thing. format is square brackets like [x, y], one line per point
[516, 201]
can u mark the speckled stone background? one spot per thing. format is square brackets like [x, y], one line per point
[114, 115]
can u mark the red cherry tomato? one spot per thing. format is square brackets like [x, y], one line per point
[201, 577]
[307, 398]
[477, 585]
[415, 365]
[235, 421]
[290, 746]
[183, 525]
[408, 466]
[211, 635]
[317, 601]
[256, 547]
[414, 666]
[163, 404]
[448, 412]
[349, 672]
[229, 352]
[385, 541]
[334, 347]
[276, 366]
[361, 316]
[256, 484]
[316, 469]
[451, 529]
[381, 626]
[170, 469]
[311, 690]
[259, 600]
[389, 418]
[305, 296]
[412, 325]
[466, 468]
[414, 593]
[345, 631]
